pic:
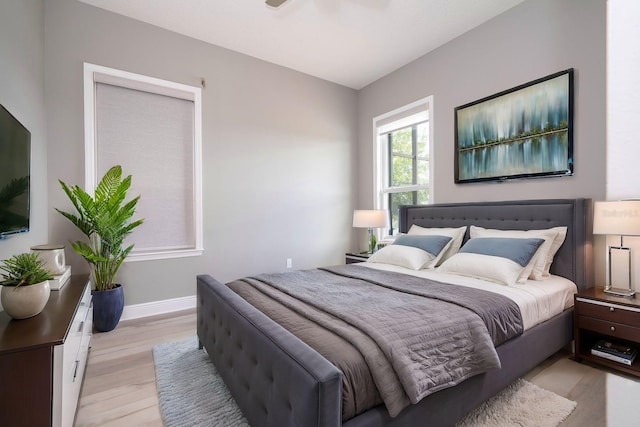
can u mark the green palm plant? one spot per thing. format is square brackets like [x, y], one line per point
[106, 220]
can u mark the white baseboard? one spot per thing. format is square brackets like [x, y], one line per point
[136, 311]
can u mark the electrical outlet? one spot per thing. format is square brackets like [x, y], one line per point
[289, 263]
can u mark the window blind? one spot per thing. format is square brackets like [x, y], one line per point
[401, 120]
[152, 136]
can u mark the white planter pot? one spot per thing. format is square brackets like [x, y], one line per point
[25, 301]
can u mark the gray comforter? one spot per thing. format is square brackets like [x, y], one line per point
[417, 336]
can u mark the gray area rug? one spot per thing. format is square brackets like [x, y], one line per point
[191, 393]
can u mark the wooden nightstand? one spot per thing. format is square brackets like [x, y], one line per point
[351, 258]
[597, 316]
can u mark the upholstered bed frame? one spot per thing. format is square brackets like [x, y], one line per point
[277, 380]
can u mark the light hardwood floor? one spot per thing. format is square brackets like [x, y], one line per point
[119, 386]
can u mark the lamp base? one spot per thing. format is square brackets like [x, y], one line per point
[619, 264]
[629, 293]
[372, 241]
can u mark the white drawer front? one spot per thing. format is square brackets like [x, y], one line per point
[72, 359]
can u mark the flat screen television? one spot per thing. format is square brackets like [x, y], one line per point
[15, 154]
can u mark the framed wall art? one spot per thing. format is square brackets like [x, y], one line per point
[522, 132]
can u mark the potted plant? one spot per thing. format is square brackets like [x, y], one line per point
[25, 285]
[106, 220]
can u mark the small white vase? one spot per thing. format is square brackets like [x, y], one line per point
[52, 256]
[25, 301]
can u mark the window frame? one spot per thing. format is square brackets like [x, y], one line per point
[382, 166]
[157, 86]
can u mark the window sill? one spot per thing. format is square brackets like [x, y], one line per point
[150, 256]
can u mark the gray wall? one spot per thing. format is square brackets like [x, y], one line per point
[22, 93]
[278, 149]
[286, 156]
[532, 40]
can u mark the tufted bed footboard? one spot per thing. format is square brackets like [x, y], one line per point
[276, 379]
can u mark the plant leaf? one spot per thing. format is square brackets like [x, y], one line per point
[106, 219]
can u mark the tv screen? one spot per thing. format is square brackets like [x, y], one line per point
[15, 152]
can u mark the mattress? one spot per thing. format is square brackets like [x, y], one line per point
[538, 300]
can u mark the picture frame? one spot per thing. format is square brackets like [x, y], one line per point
[523, 132]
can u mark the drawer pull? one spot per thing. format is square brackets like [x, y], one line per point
[613, 329]
[611, 309]
[81, 326]
[75, 370]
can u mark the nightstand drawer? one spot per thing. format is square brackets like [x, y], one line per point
[609, 312]
[613, 329]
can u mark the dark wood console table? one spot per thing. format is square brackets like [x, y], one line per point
[42, 359]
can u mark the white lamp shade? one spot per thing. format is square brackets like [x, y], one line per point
[620, 217]
[370, 218]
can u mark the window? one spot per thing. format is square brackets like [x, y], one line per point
[152, 128]
[403, 172]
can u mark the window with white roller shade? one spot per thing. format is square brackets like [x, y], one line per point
[152, 129]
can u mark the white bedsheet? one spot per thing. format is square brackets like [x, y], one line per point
[538, 300]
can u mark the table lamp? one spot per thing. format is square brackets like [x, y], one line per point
[370, 219]
[618, 218]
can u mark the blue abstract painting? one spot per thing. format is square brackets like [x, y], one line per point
[523, 132]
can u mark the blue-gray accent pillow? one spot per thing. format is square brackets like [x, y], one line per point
[433, 244]
[520, 251]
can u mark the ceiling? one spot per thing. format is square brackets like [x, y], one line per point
[349, 42]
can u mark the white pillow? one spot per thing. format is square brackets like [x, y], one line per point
[541, 263]
[403, 256]
[456, 234]
[497, 259]
[432, 244]
[557, 242]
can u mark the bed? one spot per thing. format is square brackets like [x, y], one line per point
[278, 380]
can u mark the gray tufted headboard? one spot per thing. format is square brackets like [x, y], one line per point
[573, 259]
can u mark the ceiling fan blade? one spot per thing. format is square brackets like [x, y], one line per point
[275, 3]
